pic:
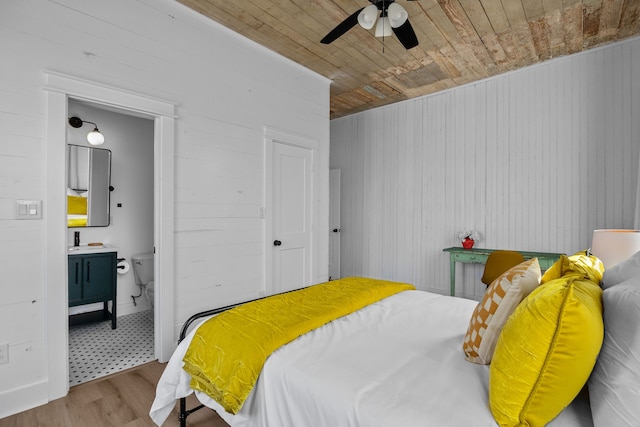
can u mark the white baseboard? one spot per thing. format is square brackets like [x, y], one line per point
[141, 305]
[24, 398]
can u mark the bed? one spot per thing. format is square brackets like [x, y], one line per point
[399, 361]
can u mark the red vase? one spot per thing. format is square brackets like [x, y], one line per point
[467, 243]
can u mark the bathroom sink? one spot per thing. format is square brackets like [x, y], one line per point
[92, 249]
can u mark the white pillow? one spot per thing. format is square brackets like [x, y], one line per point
[614, 385]
[622, 271]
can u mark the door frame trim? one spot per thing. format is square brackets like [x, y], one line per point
[272, 136]
[60, 88]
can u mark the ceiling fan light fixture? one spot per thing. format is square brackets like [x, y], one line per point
[397, 15]
[367, 17]
[393, 19]
[383, 29]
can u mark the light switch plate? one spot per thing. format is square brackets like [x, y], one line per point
[28, 209]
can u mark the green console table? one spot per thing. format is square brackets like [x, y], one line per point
[479, 256]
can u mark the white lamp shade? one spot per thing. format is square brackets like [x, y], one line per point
[397, 15]
[95, 137]
[367, 17]
[383, 29]
[613, 246]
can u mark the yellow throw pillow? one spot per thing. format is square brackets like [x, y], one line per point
[588, 266]
[499, 301]
[546, 351]
[498, 262]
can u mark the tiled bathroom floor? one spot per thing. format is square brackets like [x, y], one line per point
[96, 350]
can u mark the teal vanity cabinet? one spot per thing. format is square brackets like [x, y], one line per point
[92, 278]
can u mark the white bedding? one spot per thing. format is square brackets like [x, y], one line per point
[398, 362]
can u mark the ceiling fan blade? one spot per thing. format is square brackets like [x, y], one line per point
[406, 35]
[342, 28]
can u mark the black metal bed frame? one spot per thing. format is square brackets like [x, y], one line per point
[184, 412]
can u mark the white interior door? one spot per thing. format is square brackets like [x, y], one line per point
[292, 195]
[334, 224]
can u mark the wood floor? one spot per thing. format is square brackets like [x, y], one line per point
[122, 399]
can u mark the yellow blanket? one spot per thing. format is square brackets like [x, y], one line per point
[228, 351]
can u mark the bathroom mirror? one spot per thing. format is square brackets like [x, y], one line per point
[88, 182]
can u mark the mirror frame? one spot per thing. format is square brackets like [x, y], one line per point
[97, 182]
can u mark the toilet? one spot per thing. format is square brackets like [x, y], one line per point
[143, 273]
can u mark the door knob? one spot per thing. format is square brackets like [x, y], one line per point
[277, 243]
[336, 230]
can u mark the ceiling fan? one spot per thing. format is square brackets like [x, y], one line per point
[393, 17]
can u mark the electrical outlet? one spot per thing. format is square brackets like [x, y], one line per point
[4, 353]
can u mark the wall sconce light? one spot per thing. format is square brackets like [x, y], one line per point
[94, 137]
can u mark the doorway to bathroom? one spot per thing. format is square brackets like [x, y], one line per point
[59, 88]
[95, 349]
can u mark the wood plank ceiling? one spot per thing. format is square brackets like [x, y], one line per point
[460, 41]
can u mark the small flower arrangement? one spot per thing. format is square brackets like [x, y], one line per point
[469, 234]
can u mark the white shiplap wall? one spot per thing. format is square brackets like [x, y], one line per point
[534, 159]
[226, 89]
